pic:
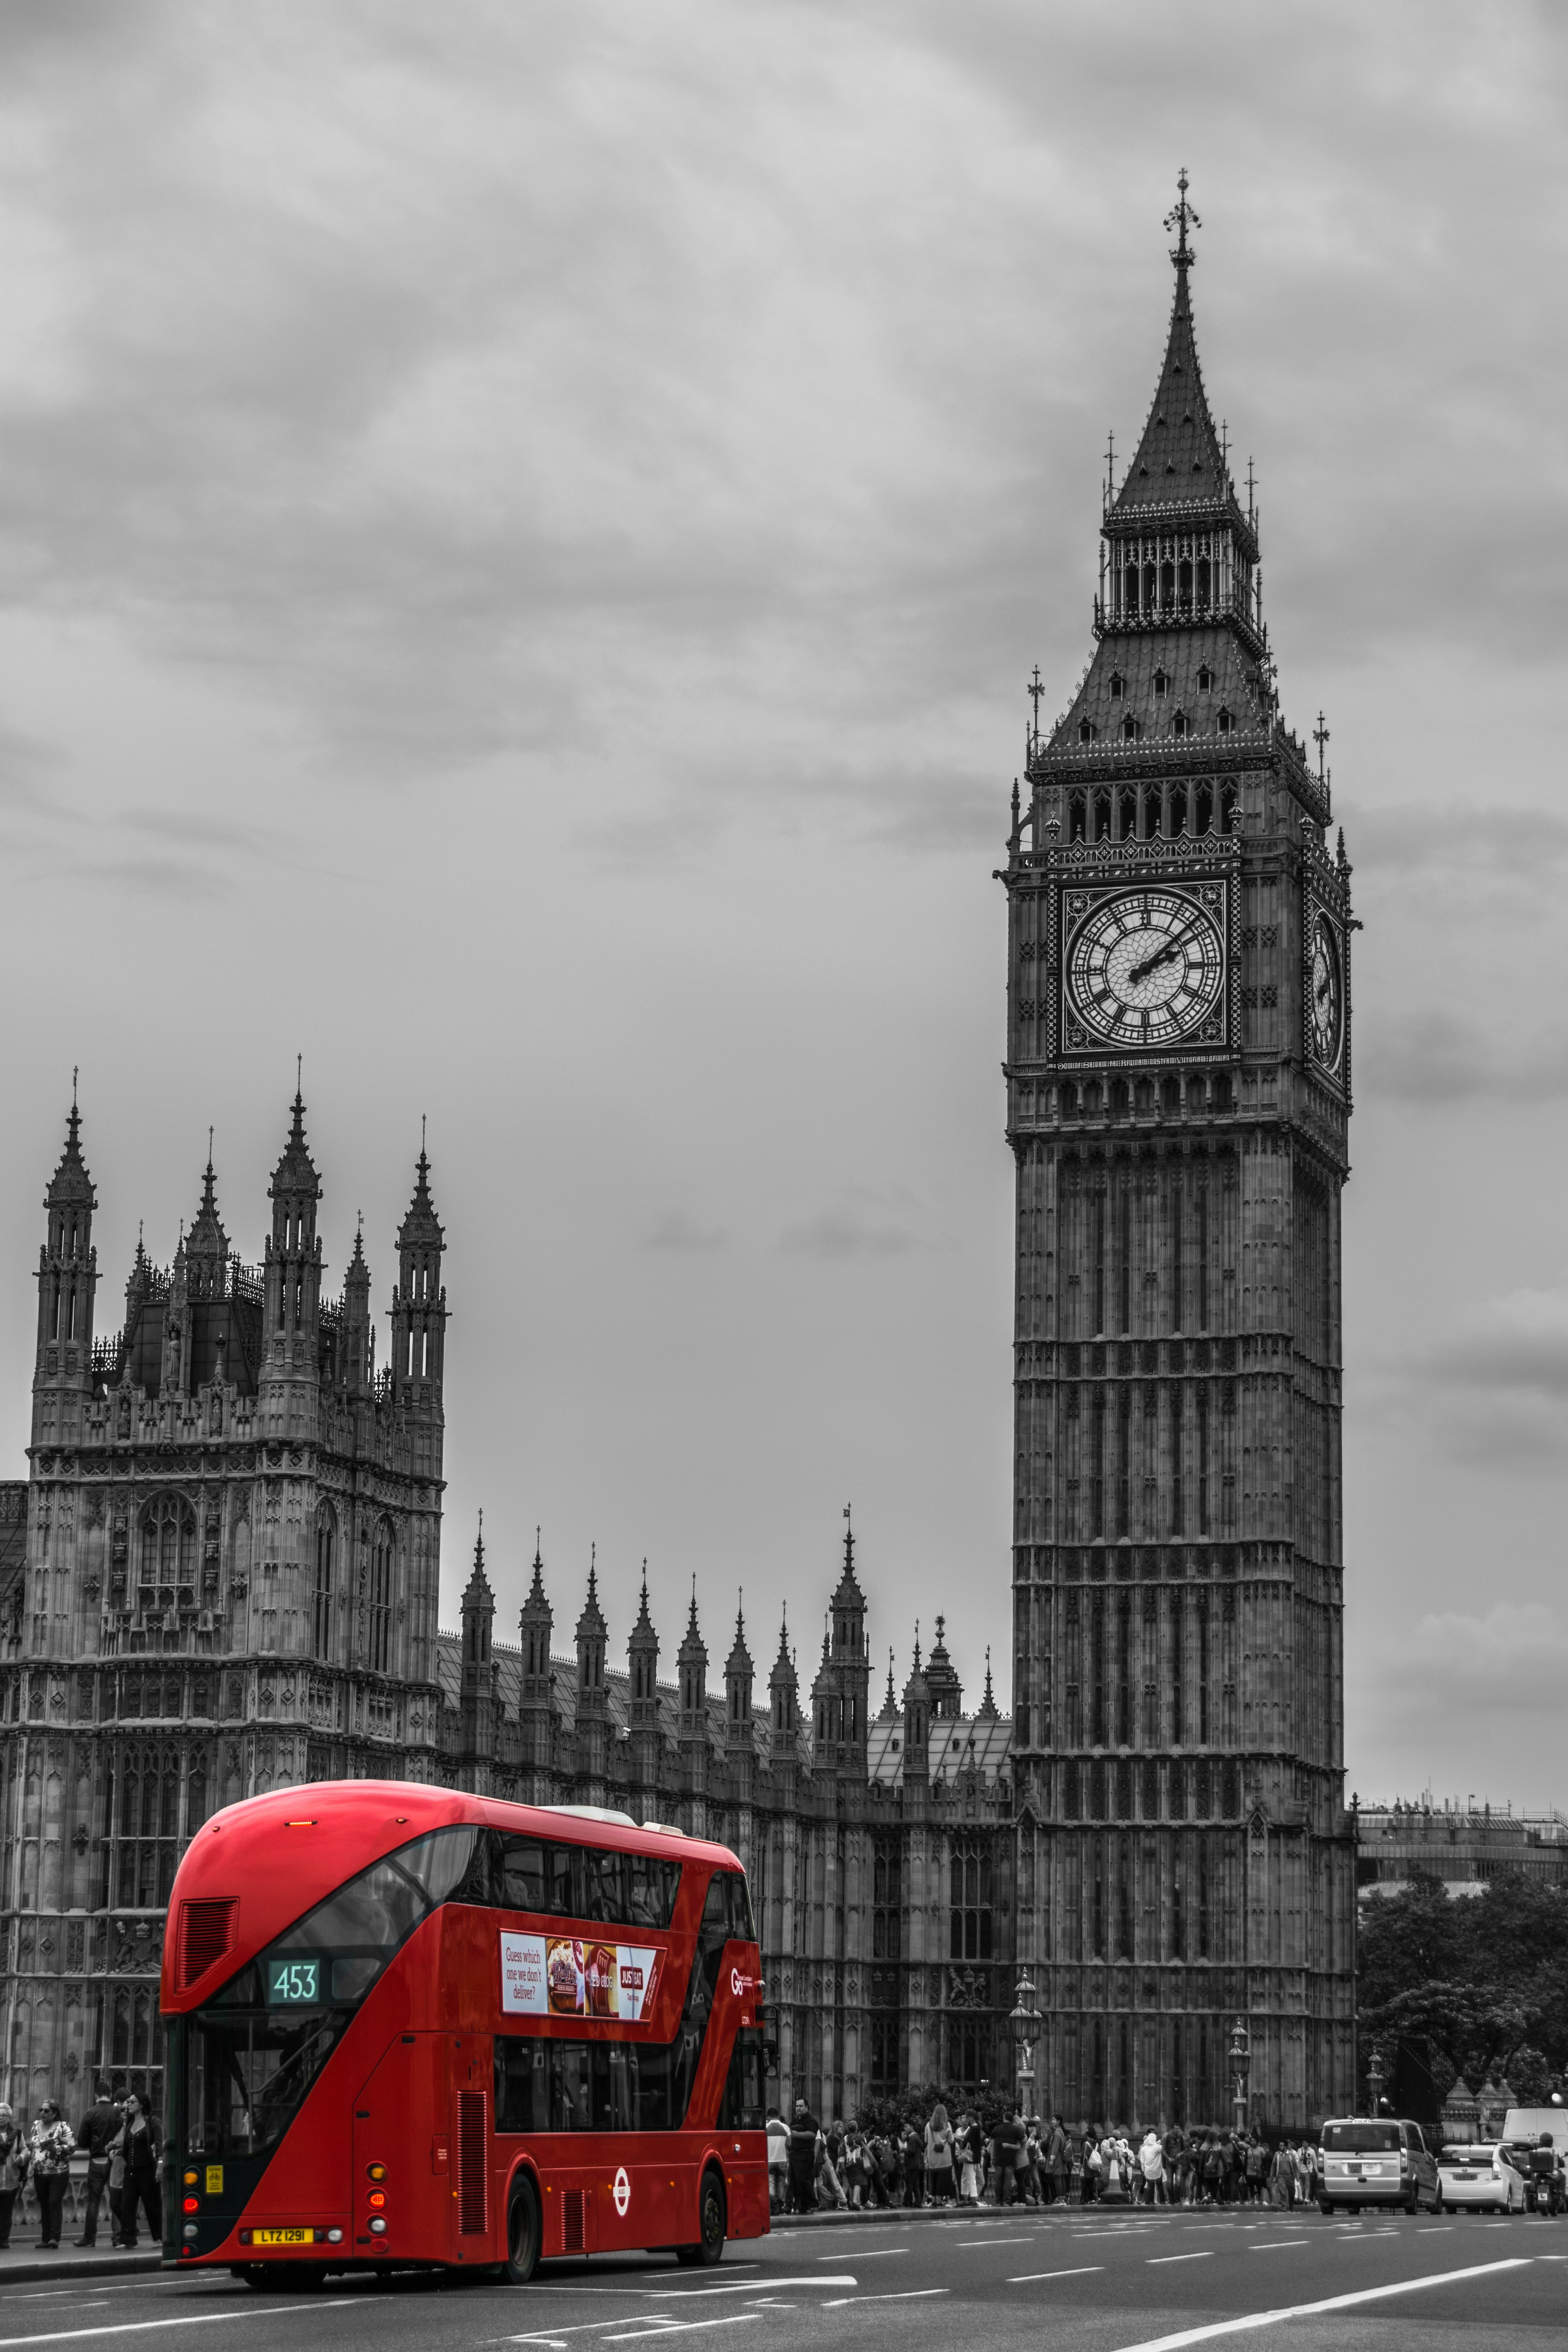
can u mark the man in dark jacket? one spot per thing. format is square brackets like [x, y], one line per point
[1009, 2155]
[803, 2159]
[98, 2127]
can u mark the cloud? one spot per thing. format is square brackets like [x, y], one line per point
[865, 1225]
[676, 1230]
[1441, 1058]
[1493, 1393]
[1511, 1661]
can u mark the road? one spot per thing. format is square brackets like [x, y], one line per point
[1109, 2282]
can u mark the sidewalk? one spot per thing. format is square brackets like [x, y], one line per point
[851, 2217]
[23, 2262]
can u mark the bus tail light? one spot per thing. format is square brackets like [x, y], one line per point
[193, 2204]
[377, 2197]
[378, 2224]
[375, 2172]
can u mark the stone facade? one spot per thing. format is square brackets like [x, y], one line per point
[1178, 1098]
[221, 1576]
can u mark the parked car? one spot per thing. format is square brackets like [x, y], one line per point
[1481, 2176]
[1377, 2160]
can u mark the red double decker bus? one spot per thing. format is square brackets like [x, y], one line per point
[409, 2026]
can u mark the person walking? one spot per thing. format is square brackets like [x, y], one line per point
[938, 2156]
[778, 2161]
[914, 2156]
[98, 2128]
[12, 2168]
[803, 2161]
[143, 2169]
[1152, 2163]
[49, 2145]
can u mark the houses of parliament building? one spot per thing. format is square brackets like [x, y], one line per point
[221, 1573]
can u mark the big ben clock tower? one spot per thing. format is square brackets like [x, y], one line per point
[1178, 1098]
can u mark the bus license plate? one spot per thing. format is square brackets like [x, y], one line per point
[282, 2237]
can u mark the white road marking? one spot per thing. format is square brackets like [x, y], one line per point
[748, 2286]
[969, 2245]
[1330, 2303]
[1032, 2278]
[1277, 2246]
[866, 2253]
[1204, 2255]
[583, 2327]
[908, 2295]
[195, 2319]
[686, 2326]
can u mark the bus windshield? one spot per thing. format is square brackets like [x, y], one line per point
[256, 2047]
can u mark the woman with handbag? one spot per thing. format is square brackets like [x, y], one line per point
[49, 2145]
[143, 2169]
[938, 2156]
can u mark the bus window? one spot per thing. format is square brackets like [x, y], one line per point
[522, 2066]
[652, 1886]
[604, 1887]
[570, 2075]
[561, 1864]
[741, 2108]
[523, 1883]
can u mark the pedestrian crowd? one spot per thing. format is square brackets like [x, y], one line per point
[955, 2160]
[124, 2169]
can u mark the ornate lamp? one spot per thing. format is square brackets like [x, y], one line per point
[1240, 2067]
[1025, 2022]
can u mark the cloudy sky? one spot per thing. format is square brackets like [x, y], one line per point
[522, 532]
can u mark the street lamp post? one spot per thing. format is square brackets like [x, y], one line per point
[1025, 2022]
[1375, 2081]
[1240, 2067]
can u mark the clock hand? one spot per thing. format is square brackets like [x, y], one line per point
[1322, 990]
[1152, 963]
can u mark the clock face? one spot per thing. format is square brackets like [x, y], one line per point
[1327, 998]
[1145, 969]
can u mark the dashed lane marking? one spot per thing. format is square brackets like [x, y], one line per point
[972, 2245]
[191, 2319]
[908, 2295]
[747, 2286]
[1311, 2310]
[1033, 2278]
[1277, 2246]
[686, 2326]
[866, 2253]
[1202, 2254]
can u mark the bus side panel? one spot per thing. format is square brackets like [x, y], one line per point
[409, 2082]
[746, 2184]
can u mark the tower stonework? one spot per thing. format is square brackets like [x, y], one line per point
[228, 1583]
[1178, 1099]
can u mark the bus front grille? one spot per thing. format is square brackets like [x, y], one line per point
[471, 2164]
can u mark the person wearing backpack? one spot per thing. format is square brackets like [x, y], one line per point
[938, 2156]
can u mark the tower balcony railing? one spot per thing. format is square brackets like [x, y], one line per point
[1237, 609]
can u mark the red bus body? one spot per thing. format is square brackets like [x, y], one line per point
[404, 2108]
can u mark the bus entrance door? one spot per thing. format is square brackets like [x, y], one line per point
[400, 2185]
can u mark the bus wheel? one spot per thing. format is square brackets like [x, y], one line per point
[523, 2232]
[253, 2273]
[710, 2247]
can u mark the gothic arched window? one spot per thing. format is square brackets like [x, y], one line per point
[378, 1614]
[168, 1542]
[326, 1548]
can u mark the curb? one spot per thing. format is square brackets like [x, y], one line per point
[85, 2265]
[853, 2218]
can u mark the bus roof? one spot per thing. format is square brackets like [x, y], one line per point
[281, 1853]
